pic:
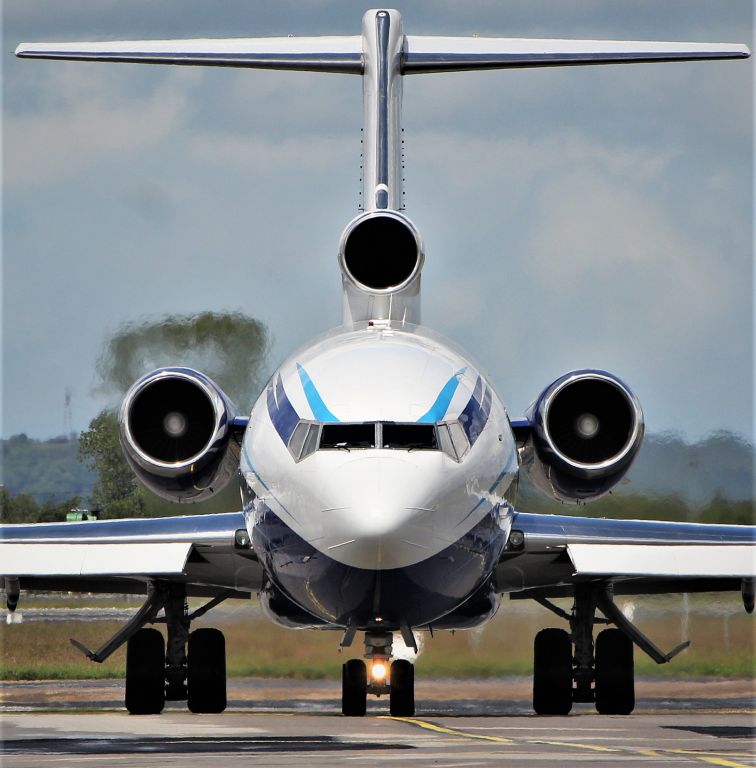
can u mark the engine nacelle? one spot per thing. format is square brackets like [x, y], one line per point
[587, 428]
[381, 252]
[381, 256]
[177, 434]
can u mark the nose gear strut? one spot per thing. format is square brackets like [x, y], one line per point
[380, 675]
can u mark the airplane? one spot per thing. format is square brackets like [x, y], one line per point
[378, 469]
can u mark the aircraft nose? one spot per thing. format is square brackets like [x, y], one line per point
[379, 512]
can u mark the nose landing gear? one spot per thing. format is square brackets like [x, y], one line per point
[358, 679]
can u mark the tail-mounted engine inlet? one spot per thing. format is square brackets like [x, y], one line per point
[381, 252]
[381, 255]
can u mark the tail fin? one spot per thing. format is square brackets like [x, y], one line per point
[382, 54]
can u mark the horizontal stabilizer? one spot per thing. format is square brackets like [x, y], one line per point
[323, 54]
[344, 54]
[663, 560]
[444, 54]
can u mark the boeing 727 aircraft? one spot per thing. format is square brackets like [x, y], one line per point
[378, 468]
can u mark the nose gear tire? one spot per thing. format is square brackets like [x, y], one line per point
[402, 691]
[354, 688]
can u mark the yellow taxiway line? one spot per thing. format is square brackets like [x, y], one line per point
[708, 758]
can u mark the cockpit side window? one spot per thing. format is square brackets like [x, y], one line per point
[296, 441]
[348, 436]
[452, 440]
[409, 436]
[311, 441]
[445, 442]
[459, 439]
[304, 439]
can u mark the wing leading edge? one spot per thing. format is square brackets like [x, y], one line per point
[201, 551]
[556, 552]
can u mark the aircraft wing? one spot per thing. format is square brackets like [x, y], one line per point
[208, 553]
[548, 555]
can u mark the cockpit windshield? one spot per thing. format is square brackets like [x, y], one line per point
[348, 436]
[409, 436]
[310, 436]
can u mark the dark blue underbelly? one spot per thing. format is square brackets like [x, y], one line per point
[339, 594]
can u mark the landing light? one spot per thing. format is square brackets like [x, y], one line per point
[378, 671]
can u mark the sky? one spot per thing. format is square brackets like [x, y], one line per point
[572, 217]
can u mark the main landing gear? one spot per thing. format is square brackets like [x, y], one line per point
[378, 676]
[190, 667]
[604, 674]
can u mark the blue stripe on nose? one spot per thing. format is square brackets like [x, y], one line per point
[438, 410]
[319, 409]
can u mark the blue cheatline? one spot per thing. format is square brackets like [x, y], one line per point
[319, 409]
[438, 410]
[281, 411]
[475, 414]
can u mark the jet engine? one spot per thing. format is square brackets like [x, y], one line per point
[381, 256]
[586, 429]
[381, 252]
[176, 430]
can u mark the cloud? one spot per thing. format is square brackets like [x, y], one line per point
[599, 237]
[88, 122]
[265, 155]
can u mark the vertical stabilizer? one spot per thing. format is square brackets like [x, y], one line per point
[382, 45]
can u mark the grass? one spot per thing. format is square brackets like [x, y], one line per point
[722, 637]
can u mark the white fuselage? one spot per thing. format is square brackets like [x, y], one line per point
[387, 506]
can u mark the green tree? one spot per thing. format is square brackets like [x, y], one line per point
[24, 508]
[117, 493]
[722, 510]
[227, 346]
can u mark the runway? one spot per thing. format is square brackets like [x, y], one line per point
[466, 723]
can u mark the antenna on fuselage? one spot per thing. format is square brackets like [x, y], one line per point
[383, 54]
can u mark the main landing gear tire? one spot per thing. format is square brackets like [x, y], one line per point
[614, 682]
[402, 691]
[206, 671]
[552, 672]
[354, 688]
[145, 673]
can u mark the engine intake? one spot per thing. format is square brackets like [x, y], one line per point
[381, 252]
[176, 433]
[587, 428]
